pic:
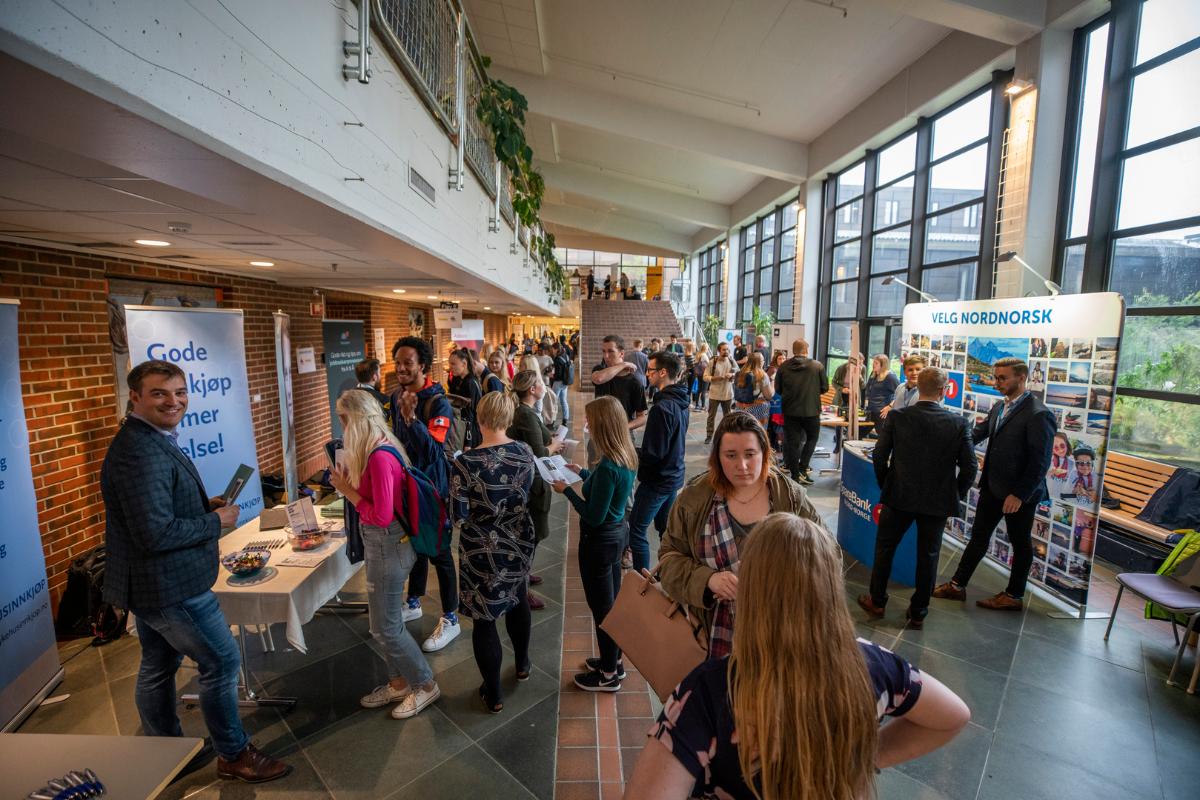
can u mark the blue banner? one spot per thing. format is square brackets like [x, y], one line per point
[28, 654]
[858, 519]
[344, 348]
[216, 432]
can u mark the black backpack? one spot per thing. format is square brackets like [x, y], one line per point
[82, 610]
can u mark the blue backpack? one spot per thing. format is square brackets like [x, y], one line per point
[425, 517]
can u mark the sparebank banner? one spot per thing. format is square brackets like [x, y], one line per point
[28, 656]
[216, 433]
[1071, 344]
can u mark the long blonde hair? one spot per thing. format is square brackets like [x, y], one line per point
[609, 428]
[503, 373]
[802, 699]
[753, 364]
[529, 361]
[364, 429]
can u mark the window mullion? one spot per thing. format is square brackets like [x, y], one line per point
[867, 242]
[991, 186]
[916, 250]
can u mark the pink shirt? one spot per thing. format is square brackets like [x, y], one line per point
[382, 500]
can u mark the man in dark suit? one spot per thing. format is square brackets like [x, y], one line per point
[161, 533]
[1020, 435]
[920, 448]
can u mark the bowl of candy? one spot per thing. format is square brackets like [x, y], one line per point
[245, 563]
[305, 540]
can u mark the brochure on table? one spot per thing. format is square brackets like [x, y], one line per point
[1071, 344]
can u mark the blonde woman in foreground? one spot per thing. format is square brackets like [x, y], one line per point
[794, 713]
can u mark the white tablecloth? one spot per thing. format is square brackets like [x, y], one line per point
[292, 596]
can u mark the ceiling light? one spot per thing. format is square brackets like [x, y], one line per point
[431, 297]
[1017, 86]
[487, 308]
[262, 263]
[399, 291]
[151, 242]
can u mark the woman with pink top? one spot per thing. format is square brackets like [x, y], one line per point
[372, 477]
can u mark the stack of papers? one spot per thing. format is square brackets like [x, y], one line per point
[309, 558]
[554, 468]
[569, 445]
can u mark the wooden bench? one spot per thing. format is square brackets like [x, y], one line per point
[1133, 481]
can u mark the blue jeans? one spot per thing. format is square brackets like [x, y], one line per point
[388, 563]
[649, 504]
[560, 390]
[195, 628]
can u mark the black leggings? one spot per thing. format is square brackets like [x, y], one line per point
[447, 579]
[600, 550]
[485, 639]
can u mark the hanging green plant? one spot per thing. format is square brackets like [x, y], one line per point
[502, 109]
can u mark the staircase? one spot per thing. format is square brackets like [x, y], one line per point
[629, 319]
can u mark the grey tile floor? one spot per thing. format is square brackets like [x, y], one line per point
[1057, 712]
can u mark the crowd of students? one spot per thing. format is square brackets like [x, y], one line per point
[741, 547]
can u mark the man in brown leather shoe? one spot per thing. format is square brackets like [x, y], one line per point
[252, 766]
[1020, 434]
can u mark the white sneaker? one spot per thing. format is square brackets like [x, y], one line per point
[384, 695]
[411, 612]
[415, 702]
[445, 633]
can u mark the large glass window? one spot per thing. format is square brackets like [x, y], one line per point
[1131, 179]
[913, 211]
[712, 286]
[767, 265]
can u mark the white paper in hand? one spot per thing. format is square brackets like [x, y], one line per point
[553, 468]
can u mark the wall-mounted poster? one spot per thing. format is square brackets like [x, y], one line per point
[416, 322]
[1070, 344]
[344, 348]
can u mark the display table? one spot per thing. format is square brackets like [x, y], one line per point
[279, 593]
[858, 514]
[293, 595]
[133, 767]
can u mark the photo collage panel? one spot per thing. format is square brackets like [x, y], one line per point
[1075, 378]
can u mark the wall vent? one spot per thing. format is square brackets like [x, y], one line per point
[422, 186]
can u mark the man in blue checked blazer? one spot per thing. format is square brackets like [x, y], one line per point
[161, 532]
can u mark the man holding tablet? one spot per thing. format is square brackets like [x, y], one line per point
[161, 532]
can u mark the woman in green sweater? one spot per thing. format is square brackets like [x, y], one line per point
[606, 491]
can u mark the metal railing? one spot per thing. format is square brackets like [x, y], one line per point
[506, 206]
[423, 34]
[477, 142]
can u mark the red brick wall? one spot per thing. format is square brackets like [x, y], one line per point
[66, 371]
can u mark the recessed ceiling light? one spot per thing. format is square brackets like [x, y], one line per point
[399, 291]
[262, 263]
[431, 297]
[487, 308]
[151, 242]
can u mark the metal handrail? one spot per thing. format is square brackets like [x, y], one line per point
[506, 206]
[423, 35]
[479, 152]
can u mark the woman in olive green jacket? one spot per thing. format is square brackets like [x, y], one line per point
[712, 516]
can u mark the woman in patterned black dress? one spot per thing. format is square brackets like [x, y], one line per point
[490, 490]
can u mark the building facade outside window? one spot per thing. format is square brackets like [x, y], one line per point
[1130, 191]
[767, 264]
[916, 210]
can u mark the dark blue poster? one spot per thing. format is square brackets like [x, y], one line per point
[858, 518]
[344, 348]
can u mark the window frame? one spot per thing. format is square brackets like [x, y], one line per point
[1102, 236]
[914, 268]
[749, 256]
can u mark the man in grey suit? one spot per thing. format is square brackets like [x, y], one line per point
[920, 447]
[161, 532]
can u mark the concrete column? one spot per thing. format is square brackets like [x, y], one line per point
[730, 276]
[809, 260]
[1036, 133]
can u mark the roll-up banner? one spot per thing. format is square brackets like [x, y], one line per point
[344, 348]
[29, 667]
[283, 374]
[1071, 344]
[216, 432]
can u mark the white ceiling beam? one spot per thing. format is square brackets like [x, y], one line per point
[616, 226]
[1007, 21]
[744, 149]
[602, 185]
